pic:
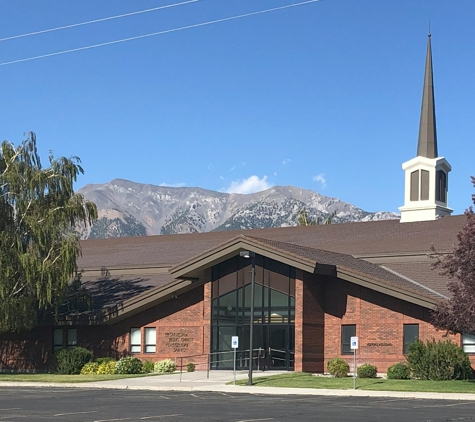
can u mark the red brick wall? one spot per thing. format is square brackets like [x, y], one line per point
[26, 352]
[309, 324]
[379, 320]
[182, 328]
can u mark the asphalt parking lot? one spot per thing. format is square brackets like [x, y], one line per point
[59, 404]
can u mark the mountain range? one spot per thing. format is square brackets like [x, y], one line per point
[133, 209]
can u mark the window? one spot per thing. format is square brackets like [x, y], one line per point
[441, 186]
[410, 335]
[57, 339]
[468, 343]
[64, 338]
[150, 340]
[347, 331]
[415, 185]
[72, 337]
[135, 340]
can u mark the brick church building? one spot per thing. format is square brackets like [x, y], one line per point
[304, 291]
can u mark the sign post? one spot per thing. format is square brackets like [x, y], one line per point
[234, 345]
[354, 347]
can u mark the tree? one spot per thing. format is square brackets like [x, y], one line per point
[458, 313]
[39, 245]
[304, 220]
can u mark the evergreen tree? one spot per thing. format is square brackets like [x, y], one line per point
[458, 313]
[39, 245]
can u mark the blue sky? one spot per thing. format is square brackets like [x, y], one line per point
[324, 96]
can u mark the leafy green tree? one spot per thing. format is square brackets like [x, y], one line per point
[304, 220]
[39, 245]
[457, 314]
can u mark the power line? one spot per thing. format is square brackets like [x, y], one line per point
[97, 20]
[73, 50]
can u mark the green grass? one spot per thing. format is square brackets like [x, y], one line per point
[305, 380]
[66, 378]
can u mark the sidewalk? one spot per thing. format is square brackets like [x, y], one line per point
[197, 381]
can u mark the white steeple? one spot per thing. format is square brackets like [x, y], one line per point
[426, 176]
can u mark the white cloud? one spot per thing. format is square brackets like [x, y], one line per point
[250, 185]
[275, 173]
[320, 179]
[173, 185]
[221, 177]
[286, 161]
[232, 168]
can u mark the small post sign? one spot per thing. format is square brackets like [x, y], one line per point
[354, 347]
[234, 345]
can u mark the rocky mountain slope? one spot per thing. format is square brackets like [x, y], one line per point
[133, 209]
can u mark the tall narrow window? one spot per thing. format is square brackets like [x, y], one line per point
[57, 339]
[415, 185]
[410, 335]
[72, 337]
[468, 343]
[347, 331]
[135, 340]
[425, 182]
[441, 186]
[150, 340]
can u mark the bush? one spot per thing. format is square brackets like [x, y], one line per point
[147, 367]
[128, 365]
[104, 360]
[190, 367]
[442, 360]
[399, 371]
[89, 368]
[338, 367]
[367, 371]
[71, 361]
[107, 367]
[164, 366]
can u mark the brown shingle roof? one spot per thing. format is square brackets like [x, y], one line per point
[369, 238]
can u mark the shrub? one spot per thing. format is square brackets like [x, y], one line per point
[164, 366]
[190, 367]
[89, 368]
[338, 367]
[367, 371]
[107, 367]
[128, 365]
[147, 367]
[442, 360]
[71, 361]
[106, 359]
[399, 371]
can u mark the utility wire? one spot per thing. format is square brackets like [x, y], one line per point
[73, 50]
[97, 20]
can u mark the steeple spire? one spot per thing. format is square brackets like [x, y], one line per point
[426, 176]
[427, 144]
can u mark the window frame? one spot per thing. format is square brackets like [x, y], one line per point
[346, 342]
[470, 343]
[148, 345]
[406, 344]
[132, 337]
[56, 344]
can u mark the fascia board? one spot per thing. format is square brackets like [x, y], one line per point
[232, 249]
[138, 303]
[347, 275]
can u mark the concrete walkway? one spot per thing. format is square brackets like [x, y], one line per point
[197, 381]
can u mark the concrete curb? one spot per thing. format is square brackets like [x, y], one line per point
[250, 390]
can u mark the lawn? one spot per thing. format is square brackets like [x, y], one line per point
[66, 378]
[305, 380]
